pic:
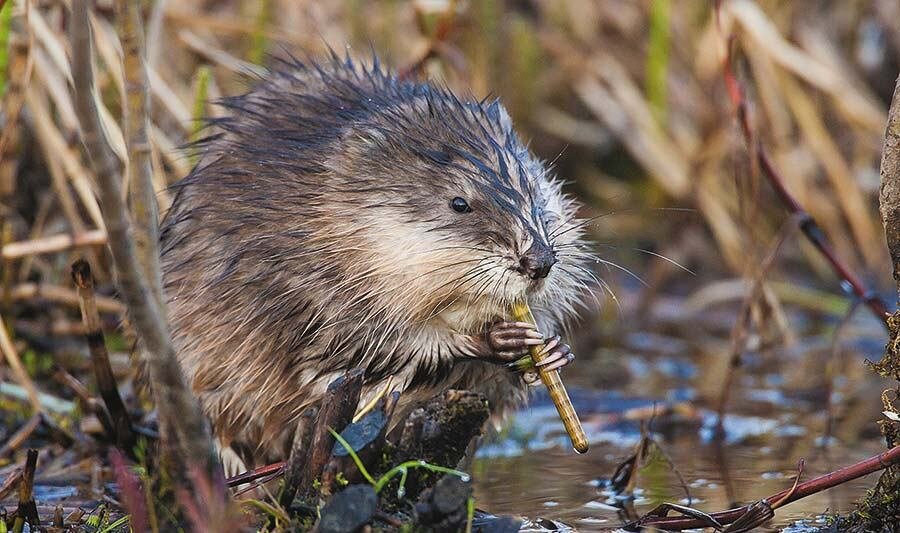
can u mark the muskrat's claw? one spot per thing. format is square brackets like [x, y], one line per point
[555, 355]
[509, 341]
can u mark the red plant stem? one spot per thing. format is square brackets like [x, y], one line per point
[807, 488]
[817, 237]
[253, 475]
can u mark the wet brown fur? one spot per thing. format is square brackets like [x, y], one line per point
[316, 236]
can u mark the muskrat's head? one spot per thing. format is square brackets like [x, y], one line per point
[459, 210]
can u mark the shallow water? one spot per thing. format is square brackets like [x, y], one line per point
[776, 416]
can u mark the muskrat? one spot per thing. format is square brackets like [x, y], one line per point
[344, 218]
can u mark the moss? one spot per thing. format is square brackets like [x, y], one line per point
[889, 366]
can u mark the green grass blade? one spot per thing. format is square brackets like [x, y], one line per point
[658, 49]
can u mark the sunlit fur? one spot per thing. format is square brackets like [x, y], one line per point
[316, 235]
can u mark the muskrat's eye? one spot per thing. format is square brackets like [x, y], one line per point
[460, 205]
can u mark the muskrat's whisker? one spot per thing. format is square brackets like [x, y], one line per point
[567, 226]
[623, 269]
[481, 275]
[471, 282]
[581, 275]
[440, 248]
[654, 254]
[464, 275]
[602, 282]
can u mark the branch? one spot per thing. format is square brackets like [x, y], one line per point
[179, 413]
[784, 497]
[135, 113]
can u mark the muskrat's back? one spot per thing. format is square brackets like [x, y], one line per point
[340, 218]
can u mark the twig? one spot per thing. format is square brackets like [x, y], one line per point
[11, 480]
[87, 403]
[54, 243]
[62, 295]
[20, 436]
[179, 412]
[297, 458]
[784, 497]
[808, 225]
[741, 328]
[556, 389]
[27, 510]
[831, 370]
[122, 434]
[135, 119]
[15, 363]
[253, 475]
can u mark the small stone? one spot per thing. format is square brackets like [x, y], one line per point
[450, 493]
[348, 510]
[498, 524]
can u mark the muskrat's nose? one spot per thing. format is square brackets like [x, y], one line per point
[536, 262]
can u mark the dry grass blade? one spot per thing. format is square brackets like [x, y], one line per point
[21, 435]
[767, 37]
[54, 243]
[20, 66]
[62, 295]
[15, 363]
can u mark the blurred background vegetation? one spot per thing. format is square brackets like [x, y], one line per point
[625, 98]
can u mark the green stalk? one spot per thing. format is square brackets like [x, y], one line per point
[658, 49]
[198, 113]
[6, 9]
[258, 40]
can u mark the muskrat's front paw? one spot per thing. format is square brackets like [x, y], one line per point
[510, 341]
[554, 355]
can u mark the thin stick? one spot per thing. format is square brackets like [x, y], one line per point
[123, 435]
[135, 118]
[740, 330]
[555, 388]
[20, 436]
[62, 295]
[54, 243]
[11, 480]
[179, 412]
[784, 497]
[15, 363]
[253, 475]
